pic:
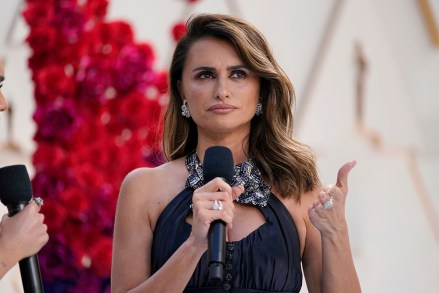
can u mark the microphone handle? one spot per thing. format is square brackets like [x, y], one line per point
[29, 266]
[216, 252]
[31, 275]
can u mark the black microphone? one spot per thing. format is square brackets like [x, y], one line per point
[15, 194]
[218, 162]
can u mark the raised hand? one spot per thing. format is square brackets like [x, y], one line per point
[327, 213]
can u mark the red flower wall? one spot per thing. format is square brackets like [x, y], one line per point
[98, 117]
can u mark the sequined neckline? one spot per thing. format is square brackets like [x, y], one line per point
[246, 173]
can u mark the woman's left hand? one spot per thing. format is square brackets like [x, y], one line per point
[327, 213]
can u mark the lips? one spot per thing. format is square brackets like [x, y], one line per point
[222, 108]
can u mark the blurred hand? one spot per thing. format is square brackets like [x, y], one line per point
[23, 234]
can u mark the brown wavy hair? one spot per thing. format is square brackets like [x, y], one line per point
[285, 163]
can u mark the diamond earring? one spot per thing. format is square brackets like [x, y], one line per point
[185, 110]
[258, 109]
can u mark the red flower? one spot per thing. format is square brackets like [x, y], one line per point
[133, 68]
[55, 215]
[87, 177]
[42, 39]
[70, 21]
[54, 82]
[50, 182]
[69, 54]
[96, 9]
[128, 112]
[49, 156]
[58, 122]
[39, 13]
[109, 38]
[178, 30]
[77, 234]
[75, 200]
[161, 82]
[55, 260]
[101, 255]
[94, 79]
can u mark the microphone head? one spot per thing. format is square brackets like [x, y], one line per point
[218, 162]
[15, 186]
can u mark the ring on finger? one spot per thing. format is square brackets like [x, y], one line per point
[328, 204]
[217, 205]
[38, 200]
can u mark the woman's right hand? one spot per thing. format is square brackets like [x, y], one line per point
[24, 234]
[202, 207]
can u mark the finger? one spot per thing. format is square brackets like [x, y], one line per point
[213, 215]
[334, 192]
[315, 204]
[342, 176]
[201, 196]
[328, 188]
[33, 206]
[39, 218]
[319, 212]
[217, 184]
[323, 196]
[311, 211]
[209, 205]
[226, 218]
[237, 191]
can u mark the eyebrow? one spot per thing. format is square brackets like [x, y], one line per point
[230, 68]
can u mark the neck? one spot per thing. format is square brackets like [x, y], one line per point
[239, 147]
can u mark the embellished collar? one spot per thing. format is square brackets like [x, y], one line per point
[247, 174]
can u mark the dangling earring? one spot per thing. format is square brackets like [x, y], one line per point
[258, 109]
[185, 110]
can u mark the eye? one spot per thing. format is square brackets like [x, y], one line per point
[238, 74]
[205, 75]
[1, 84]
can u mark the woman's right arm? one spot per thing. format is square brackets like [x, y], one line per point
[133, 235]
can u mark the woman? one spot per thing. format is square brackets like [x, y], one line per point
[226, 89]
[25, 233]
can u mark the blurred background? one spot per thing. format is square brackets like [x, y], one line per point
[366, 76]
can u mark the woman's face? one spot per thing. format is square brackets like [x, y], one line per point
[221, 92]
[3, 102]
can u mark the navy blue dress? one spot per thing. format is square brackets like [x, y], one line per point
[267, 260]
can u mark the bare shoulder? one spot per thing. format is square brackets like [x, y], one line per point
[151, 189]
[150, 181]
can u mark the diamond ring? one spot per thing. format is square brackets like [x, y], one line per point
[217, 205]
[327, 204]
[39, 201]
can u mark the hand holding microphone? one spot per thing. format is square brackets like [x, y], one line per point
[218, 166]
[22, 231]
[25, 233]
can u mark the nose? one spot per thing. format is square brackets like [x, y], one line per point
[222, 88]
[3, 102]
